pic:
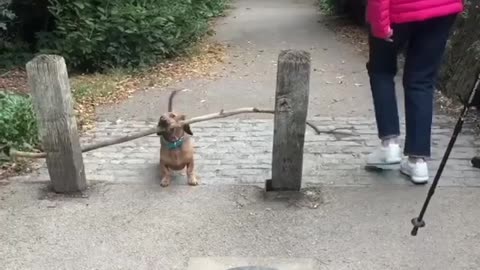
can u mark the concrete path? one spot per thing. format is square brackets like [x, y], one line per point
[345, 218]
[131, 226]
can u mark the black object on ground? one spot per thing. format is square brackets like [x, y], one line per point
[476, 162]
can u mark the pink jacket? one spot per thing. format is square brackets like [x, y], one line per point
[382, 13]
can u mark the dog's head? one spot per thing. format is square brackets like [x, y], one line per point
[169, 123]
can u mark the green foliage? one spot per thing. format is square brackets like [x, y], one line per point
[6, 17]
[101, 34]
[13, 54]
[18, 125]
[327, 6]
[19, 20]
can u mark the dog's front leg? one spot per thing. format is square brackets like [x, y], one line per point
[166, 175]
[192, 179]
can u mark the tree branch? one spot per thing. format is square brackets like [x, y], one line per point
[221, 114]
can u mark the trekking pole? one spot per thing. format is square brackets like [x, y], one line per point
[418, 222]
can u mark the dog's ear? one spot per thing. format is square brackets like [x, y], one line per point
[187, 129]
[158, 125]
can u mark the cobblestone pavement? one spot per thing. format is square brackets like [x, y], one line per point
[239, 152]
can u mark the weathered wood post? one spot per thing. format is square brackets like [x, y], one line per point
[291, 106]
[52, 100]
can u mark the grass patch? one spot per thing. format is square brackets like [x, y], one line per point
[94, 86]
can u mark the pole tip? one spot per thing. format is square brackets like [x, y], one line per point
[417, 223]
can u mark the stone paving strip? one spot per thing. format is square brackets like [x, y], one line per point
[235, 151]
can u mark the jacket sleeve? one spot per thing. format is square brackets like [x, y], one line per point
[378, 14]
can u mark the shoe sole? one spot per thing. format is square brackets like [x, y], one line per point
[393, 165]
[415, 180]
[386, 167]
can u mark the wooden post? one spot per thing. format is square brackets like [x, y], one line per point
[291, 106]
[52, 100]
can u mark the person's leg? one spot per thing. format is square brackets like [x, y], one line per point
[382, 68]
[423, 58]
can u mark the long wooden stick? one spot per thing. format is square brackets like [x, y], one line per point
[221, 114]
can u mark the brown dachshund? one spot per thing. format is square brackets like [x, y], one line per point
[176, 146]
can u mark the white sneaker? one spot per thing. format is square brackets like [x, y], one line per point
[384, 156]
[417, 171]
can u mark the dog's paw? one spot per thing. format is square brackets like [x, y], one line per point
[193, 181]
[165, 182]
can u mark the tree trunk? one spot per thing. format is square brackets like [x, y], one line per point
[462, 59]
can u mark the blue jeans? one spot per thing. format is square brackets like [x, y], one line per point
[424, 45]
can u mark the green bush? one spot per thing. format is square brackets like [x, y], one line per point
[14, 54]
[98, 34]
[6, 17]
[18, 125]
[20, 21]
[10, 55]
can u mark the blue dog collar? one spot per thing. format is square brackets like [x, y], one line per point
[175, 145]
